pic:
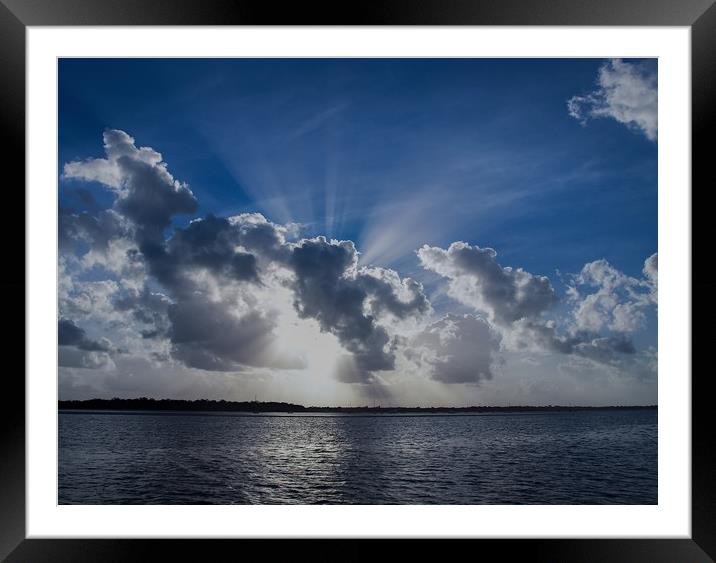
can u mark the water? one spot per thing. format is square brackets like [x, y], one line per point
[592, 457]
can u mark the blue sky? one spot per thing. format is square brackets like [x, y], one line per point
[485, 144]
[388, 153]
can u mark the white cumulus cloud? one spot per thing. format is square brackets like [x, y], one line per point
[240, 295]
[626, 92]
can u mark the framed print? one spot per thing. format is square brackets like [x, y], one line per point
[291, 275]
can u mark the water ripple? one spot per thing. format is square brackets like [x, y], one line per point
[556, 458]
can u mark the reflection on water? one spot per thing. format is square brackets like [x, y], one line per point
[554, 458]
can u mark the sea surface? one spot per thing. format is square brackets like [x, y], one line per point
[584, 457]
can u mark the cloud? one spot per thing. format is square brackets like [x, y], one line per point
[607, 307]
[218, 275]
[147, 308]
[651, 272]
[212, 244]
[79, 351]
[69, 357]
[515, 301]
[147, 194]
[210, 336]
[221, 276]
[347, 301]
[388, 293]
[69, 334]
[201, 268]
[456, 349]
[215, 269]
[94, 230]
[235, 294]
[603, 349]
[87, 298]
[476, 279]
[626, 92]
[618, 302]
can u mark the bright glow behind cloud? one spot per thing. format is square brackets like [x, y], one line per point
[236, 296]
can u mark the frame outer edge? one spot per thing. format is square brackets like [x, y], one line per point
[378, 12]
[700, 13]
[703, 448]
[12, 282]
[537, 550]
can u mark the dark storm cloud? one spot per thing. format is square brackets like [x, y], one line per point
[147, 194]
[208, 336]
[148, 197]
[326, 291]
[211, 243]
[477, 279]
[233, 252]
[383, 287]
[231, 248]
[261, 237]
[69, 334]
[148, 308]
[329, 288]
[150, 200]
[211, 333]
[76, 350]
[605, 349]
[602, 349]
[457, 348]
[204, 293]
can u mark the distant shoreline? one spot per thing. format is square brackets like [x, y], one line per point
[202, 405]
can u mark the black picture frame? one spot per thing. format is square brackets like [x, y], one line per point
[16, 15]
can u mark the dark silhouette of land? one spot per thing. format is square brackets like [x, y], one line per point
[204, 405]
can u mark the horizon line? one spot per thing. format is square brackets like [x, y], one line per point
[256, 403]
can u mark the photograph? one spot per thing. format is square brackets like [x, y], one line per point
[357, 281]
[320, 281]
